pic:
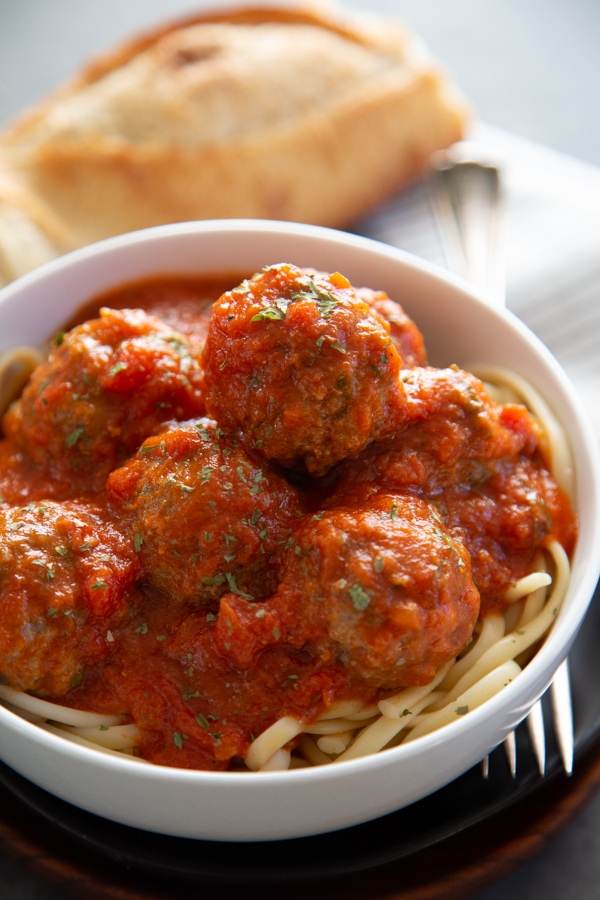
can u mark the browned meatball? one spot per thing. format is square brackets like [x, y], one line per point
[106, 386]
[380, 587]
[505, 521]
[64, 575]
[454, 434]
[482, 464]
[301, 368]
[407, 338]
[204, 516]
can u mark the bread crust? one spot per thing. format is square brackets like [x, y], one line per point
[296, 113]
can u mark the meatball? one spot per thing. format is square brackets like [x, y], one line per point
[380, 587]
[506, 521]
[407, 338]
[106, 386]
[64, 575]
[482, 465]
[204, 516]
[454, 434]
[301, 368]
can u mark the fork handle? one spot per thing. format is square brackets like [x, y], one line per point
[468, 204]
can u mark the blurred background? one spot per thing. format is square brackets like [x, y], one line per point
[529, 66]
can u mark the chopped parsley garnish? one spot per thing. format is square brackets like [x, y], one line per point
[325, 300]
[119, 367]
[235, 589]
[72, 438]
[270, 312]
[360, 598]
[178, 739]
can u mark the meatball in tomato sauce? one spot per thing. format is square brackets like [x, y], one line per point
[379, 586]
[482, 464]
[106, 386]
[206, 518]
[407, 338]
[65, 574]
[301, 368]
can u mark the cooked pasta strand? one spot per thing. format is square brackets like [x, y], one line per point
[334, 744]
[55, 712]
[477, 694]
[394, 707]
[272, 739]
[279, 762]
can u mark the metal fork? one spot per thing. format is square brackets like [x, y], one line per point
[469, 208]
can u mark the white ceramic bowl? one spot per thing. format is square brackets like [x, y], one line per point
[458, 328]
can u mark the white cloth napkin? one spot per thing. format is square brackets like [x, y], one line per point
[552, 207]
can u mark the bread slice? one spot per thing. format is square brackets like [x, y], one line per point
[308, 114]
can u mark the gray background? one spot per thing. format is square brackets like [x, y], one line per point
[531, 67]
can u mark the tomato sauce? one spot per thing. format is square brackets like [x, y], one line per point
[230, 499]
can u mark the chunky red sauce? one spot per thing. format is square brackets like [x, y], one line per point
[225, 501]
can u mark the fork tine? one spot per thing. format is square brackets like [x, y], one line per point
[537, 735]
[510, 748]
[562, 713]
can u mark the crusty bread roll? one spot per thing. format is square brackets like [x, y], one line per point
[305, 114]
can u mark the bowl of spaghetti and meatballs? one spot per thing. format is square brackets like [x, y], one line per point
[294, 528]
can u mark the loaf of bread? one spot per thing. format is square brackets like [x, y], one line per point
[309, 114]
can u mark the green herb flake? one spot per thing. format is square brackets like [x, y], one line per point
[119, 367]
[138, 540]
[233, 587]
[270, 312]
[212, 579]
[205, 473]
[360, 598]
[72, 438]
[325, 300]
